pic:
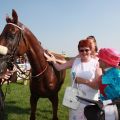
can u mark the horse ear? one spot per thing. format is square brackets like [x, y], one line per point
[15, 16]
[8, 20]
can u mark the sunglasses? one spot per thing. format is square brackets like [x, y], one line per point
[84, 50]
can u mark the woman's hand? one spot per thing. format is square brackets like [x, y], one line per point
[50, 58]
[80, 80]
[91, 83]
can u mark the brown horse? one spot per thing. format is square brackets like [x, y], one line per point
[45, 80]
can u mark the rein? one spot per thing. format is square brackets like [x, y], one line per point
[34, 76]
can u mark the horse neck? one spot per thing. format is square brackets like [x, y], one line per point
[35, 53]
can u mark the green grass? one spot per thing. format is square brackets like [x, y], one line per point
[17, 105]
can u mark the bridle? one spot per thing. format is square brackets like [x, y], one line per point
[9, 58]
[17, 41]
[14, 51]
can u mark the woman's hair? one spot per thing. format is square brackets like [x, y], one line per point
[93, 40]
[84, 43]
[91, 37]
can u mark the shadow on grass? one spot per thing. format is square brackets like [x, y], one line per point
[10, 108]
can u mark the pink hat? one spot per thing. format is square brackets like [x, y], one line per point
[110, 56]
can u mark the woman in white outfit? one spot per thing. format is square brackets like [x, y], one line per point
[84, 66]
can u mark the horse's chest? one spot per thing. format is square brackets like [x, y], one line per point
[43, 86]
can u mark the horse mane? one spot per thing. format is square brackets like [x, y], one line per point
[59, 56]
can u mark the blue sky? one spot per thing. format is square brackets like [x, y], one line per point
[60, 24]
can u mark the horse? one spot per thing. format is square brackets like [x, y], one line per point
[45, 80]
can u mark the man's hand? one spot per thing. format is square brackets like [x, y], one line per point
[8, 74]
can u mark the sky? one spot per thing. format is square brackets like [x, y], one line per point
[60, 24]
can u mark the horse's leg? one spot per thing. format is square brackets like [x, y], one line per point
[54, 101]
[33, 103]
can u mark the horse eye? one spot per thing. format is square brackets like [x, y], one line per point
[13, 30]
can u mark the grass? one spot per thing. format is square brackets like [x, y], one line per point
[17, 106]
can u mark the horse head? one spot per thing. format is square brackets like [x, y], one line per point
[12, 36]
[13, 39]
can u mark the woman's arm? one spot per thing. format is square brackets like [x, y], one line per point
[91, 83]
[61, 61]
[56, 62]
[63, 66]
